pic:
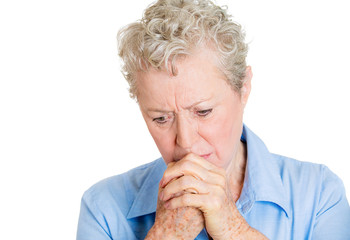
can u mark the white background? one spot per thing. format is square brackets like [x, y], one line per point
[66, 120]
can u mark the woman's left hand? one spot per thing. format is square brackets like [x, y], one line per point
[195, 182]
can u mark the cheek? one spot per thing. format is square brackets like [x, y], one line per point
[223, 134]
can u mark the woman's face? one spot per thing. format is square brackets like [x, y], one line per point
[196, 111]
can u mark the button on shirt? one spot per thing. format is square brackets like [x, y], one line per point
[281, 197]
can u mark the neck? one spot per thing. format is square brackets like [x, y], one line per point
[236, 172]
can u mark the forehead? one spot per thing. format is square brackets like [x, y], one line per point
[198, 78]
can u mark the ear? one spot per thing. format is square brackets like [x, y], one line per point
[245, 90]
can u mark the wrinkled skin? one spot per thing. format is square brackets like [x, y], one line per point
[179, 223]
[194, 193]
[212, 197]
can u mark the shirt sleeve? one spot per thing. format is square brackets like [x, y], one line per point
[333, 212]
[91, 225]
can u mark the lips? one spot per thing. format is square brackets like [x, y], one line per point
[205, 156]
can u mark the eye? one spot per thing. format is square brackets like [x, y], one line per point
[204, 113]
[160, 120]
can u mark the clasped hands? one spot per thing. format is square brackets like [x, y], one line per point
[194, 193]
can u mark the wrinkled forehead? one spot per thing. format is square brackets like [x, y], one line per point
[197, 78]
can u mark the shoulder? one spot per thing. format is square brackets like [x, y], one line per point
[307, 182]
[294, 170]
[106, 205]
[119, 191]
[298, 169]
[297, 172]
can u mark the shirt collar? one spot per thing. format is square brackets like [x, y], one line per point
[262, 178]
[145, 201]
[262, 181]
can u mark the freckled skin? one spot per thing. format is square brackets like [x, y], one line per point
[215, 210]
[222, 219]
[180, 223]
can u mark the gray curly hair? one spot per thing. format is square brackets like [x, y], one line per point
[173, 28]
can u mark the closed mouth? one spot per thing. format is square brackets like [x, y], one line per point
[205, 156]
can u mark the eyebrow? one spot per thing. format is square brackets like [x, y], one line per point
[188, 107]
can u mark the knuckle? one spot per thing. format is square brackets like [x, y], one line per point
[206, 176]
[215, 203]
[206, 188]
[165, 192]
[183, 182]
[171, 164]
[166, 173]
[222, 182]
[221, 172]
[191, 155]
[215, 192]
[185, 199]
[185, 164]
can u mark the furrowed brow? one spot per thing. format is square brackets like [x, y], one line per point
[196, 103]
[158, 110]
[167, 111]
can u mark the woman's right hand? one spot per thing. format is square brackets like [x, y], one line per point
[180, 223]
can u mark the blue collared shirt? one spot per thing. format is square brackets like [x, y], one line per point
[281, 197]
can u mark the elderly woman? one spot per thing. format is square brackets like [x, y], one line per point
[185, 64]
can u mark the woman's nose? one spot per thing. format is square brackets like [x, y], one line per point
[186, 132]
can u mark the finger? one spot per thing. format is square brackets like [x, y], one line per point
[205, 202]
[200, 161]
[204, 163]
[188, 168]
[181, 168]
[209, 166]
[185, 184]
[186, 200]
